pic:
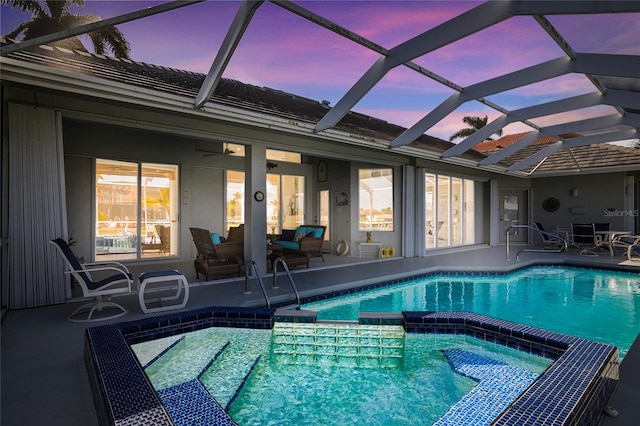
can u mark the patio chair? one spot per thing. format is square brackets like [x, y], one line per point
[549, 242]
[585, 238]
[164, 246]
[629, 243]
[216, 259]
[116, 280]
[305, 240]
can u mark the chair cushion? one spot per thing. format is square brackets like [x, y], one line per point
[288, 244]
[288, 235]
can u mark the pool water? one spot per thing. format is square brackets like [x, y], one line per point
[599, 305]
[326, 374]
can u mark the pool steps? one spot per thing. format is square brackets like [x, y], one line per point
[341, 344]
[226, 375]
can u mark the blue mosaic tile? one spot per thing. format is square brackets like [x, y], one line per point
[498, 386]
[189, 404]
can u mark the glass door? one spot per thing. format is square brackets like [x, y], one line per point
[136, 210]
[323, 211]
[512, 213]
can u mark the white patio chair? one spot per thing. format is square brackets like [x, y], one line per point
[628, 243]
[118, 281]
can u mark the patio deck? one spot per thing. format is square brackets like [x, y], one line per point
[43, 375]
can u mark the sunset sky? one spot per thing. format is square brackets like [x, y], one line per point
[283, 51]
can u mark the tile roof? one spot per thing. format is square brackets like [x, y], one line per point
[567, 159]
[491, 146]
[229, 92]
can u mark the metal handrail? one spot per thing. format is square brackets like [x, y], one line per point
[286, 269]
[564, 242]
[259, 275]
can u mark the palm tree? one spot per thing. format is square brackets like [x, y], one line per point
[475, 124]
[58, 19]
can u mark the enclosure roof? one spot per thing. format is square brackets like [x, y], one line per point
[593, 88]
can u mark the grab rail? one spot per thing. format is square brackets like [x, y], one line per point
[259, 275]
[286, 269]
[565, 245]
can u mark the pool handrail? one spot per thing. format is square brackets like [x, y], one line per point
[259, 275]
[564, 242]
[281, 260]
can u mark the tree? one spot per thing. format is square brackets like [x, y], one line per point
[475, 124]
[58, 19]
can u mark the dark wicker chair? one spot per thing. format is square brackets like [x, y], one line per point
[308, 247]
[216, 259]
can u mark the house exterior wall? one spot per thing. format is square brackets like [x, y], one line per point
[95, 128]
[598, 199]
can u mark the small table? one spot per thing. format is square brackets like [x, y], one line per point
[168, 277]
[364, 246]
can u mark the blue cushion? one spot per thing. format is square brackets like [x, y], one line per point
[288, 244]
[317, 232]
[215, 237]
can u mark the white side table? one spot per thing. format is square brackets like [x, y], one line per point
[181, 283]
[373, 247]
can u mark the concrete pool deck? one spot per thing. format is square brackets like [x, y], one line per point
[43, 375]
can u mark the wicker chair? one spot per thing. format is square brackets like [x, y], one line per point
[164, 246]
[216, 259]
[308, 247]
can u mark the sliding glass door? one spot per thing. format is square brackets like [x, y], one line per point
[449, 211]
[136, 210]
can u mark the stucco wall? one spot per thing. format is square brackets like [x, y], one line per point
[596, 194]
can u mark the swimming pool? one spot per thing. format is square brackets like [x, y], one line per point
[600, 305]
[336, 374]
[574, 389]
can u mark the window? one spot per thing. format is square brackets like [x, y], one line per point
[235, 198]
[135, 202]
[285, 202]
[449, 211]
[375, 199]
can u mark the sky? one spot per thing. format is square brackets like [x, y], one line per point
[283, 51]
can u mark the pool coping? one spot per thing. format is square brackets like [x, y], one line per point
[574, 390]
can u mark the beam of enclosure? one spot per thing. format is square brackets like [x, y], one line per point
[459, 27]
[239, 25]
[617, 98]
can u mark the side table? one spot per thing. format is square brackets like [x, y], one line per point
[181, 283]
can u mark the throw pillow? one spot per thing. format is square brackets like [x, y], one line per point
[298, 237]
[310, 234]
[215, 237]
[288, 235]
